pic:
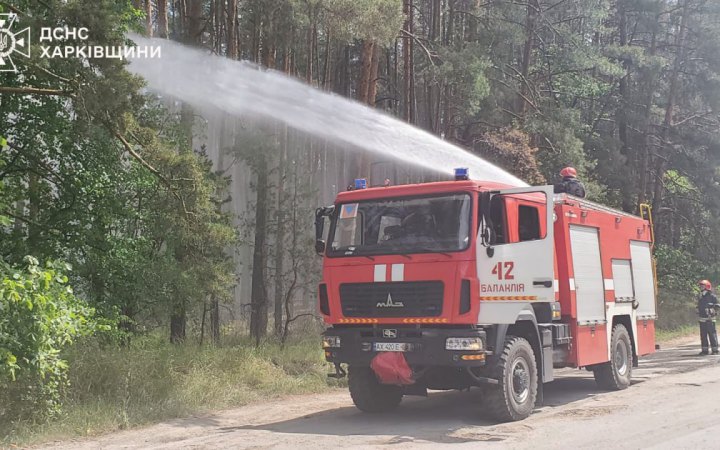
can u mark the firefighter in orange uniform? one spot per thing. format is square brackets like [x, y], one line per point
[570, 184]
[707, 311]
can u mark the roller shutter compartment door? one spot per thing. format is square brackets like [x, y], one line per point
[643, 277]
[587, 268]
[623, 280]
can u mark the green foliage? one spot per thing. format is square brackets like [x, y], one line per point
[113, 388]
[144, 233]
[39, 317]
[678, 184]
[146, 237]
[377, 20]
[678, 270]
[465, 71]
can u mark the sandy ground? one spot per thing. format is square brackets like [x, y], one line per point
[673, 403]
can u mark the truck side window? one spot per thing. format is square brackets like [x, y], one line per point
[528, 223]
[497, 217]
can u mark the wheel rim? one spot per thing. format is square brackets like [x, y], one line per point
[621, 358]
[520, 380]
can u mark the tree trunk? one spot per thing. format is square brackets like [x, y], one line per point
[344, 84]
[533, 9]
[162, 19]
[435, 19]
[668, 121]
[310, 48]
[649, 81]
[409, 86]
[259, 301]
[280, 237]
[33, 212]
[269, 39]
[215, 321]
[231, 37]
[367, 90]
[363, 89]
[148, 18]
[373, 79]
[177, 326]
[450, 28]
[327, 78]
[621, 114]
[195, 21]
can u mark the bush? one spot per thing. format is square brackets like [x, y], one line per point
[39, 316]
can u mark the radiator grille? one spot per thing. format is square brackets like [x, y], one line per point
[396, 299]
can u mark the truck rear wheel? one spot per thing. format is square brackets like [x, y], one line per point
[514, 397]
[616, 374]
[368, 394]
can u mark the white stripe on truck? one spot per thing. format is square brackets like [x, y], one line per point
[398, 272]
[380, 273]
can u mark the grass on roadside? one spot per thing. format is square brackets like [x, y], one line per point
[151, 380]
[663, 335]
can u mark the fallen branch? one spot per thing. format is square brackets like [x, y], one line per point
[34, 91]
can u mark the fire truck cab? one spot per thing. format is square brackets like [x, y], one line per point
[456, 284]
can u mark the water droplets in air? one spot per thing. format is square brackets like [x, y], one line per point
[242, 89]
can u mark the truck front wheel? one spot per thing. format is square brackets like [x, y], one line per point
[616, 374]
[368, 394]
[514, 396]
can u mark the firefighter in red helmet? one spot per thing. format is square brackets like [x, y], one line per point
[570, 184]
[707, 311]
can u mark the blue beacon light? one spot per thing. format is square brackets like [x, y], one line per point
[360, 183]
[462, 173]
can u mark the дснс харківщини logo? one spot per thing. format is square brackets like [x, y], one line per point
[12, 42]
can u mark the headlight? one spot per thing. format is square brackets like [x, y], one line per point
[331, 341]
[464, 343]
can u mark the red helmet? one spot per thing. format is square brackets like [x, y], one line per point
[705, 284]
[568, 172]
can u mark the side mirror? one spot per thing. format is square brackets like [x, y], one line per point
[320, 215]
[320, 247]
[485, 224]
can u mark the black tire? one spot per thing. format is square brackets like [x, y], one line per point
[615, 375]
[368, 394]
[514, 397]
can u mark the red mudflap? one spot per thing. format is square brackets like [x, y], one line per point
[391, 368]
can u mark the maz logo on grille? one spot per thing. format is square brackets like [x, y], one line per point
[389, 303]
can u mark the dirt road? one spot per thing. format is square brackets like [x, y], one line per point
[674, 402]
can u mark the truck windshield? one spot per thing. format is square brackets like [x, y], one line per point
[402, 225]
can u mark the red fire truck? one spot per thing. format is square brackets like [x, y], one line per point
[455, 284]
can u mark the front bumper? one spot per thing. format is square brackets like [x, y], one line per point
[428, 345]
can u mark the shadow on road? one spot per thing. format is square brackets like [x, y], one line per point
[432, 419]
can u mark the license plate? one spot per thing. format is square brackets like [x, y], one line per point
[392, 347]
